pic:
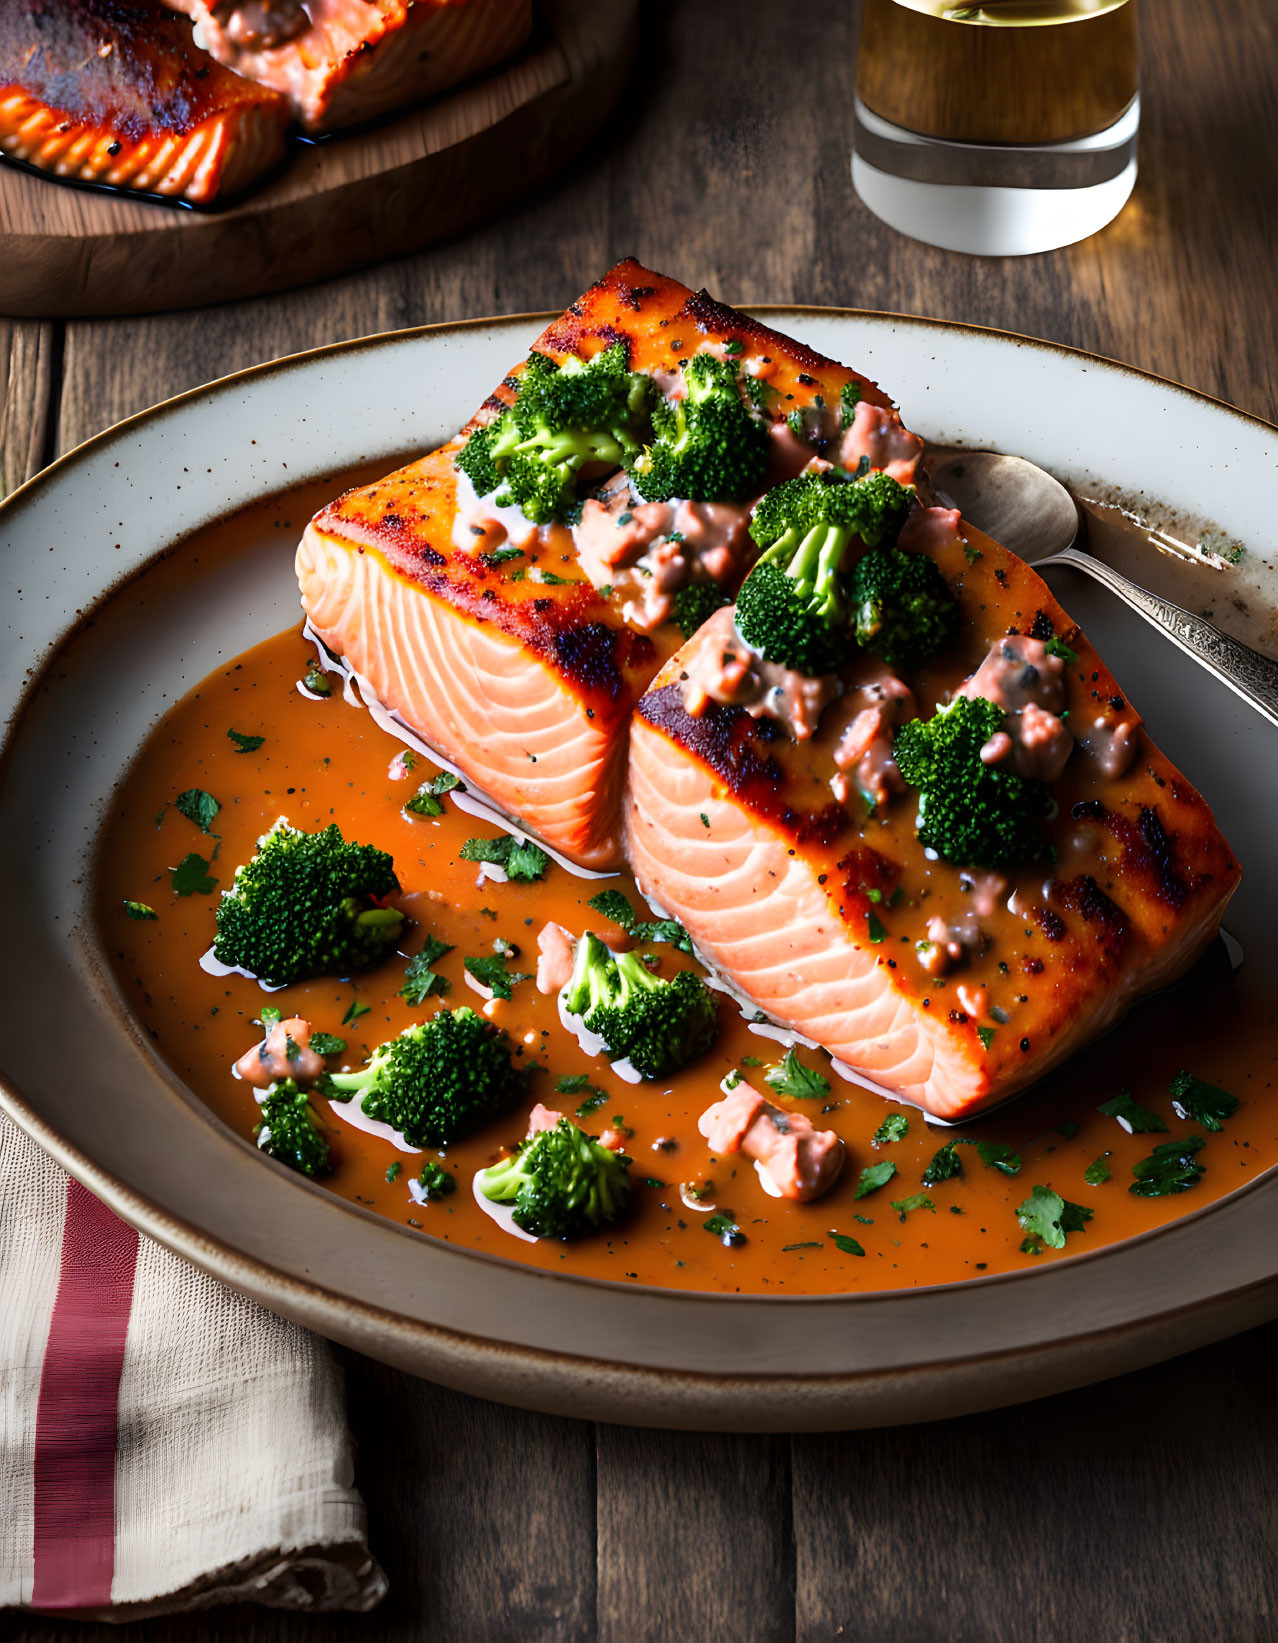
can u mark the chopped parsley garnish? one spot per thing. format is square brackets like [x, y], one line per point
[592, 1103]
[844, 1244]
[1134, 1118]
[572, 1083]
[613, 905]
[944, 1166]
[995, 1155]
[971, 554]
[1047, 1218]
[198, 807]
[1058, 647]
[1170, 1168]
[1097, 1171]
[917, 1200]
[316, 681]
[327, 1044]
[270, 1017]
[356, 1010]
[420, 977]
[425, 802]
[553, 581]
[435, 1181]
[874, 927]
[191, 877]
[986, 1036]
[392, 1170]
[725, 1229]
[499, 556]
[1201, 1103]
[815, 1244]
[245, 744]
[490, 971]
[793, 1078]
[139, 909]
[523, 860]
[874, 1176]
[895, 1127]
[652, 1181]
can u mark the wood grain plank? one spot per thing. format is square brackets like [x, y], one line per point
[27, 368]
[693, 1538]
[1139, 1511]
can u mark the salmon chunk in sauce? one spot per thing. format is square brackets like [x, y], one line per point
[519, 651]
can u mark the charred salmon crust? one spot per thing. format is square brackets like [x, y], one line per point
[114, 92]
[343, 61]
[822, 913]
[509, 659]
[526, 686]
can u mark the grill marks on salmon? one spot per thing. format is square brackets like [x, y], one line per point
[340, 62]
[814, 909]
[518, 670]
[114, 92]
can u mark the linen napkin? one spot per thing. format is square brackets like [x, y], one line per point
[165, 1444]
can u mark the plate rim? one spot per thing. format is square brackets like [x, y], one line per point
[293, 1295]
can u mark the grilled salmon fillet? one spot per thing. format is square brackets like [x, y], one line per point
[522, 665]
[115, 92]
[343, 61]
[951, 988]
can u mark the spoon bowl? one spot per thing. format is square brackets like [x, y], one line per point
[1021, 506]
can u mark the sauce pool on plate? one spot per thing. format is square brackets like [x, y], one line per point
[698, 1221]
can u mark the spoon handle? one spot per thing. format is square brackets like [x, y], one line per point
[1247, 673]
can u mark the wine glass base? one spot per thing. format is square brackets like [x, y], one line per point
[994, 200]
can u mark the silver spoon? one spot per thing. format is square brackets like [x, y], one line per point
[1018, 504]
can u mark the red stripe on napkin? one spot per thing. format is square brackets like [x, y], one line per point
[78, 1410]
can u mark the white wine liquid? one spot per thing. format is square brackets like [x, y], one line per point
[1015, 14]
[1008, 71]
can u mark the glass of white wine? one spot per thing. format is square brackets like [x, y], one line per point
[999, 129]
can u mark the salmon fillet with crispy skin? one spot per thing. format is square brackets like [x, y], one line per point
[954, 989]
[114, 92]
[516, 665]
[343, 61]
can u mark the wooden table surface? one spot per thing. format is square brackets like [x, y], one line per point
[1142, 1509]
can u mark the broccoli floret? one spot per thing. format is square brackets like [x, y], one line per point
[792, 607]
[565, 417]
[288, 1130]
[972, 814]
[437, 1080]
[707, 445]
[660, 1026]
[306, 905]
[562, 1182]
[902, 606]
[695, 604]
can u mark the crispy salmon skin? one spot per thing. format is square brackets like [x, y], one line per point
[114, 92]
[342, 61]
[519, 651]
[796, 866]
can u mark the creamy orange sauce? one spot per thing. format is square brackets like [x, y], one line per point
[326, 760]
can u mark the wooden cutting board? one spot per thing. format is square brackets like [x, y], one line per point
[337, 205]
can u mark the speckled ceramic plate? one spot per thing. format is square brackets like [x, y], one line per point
[79, 1077]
